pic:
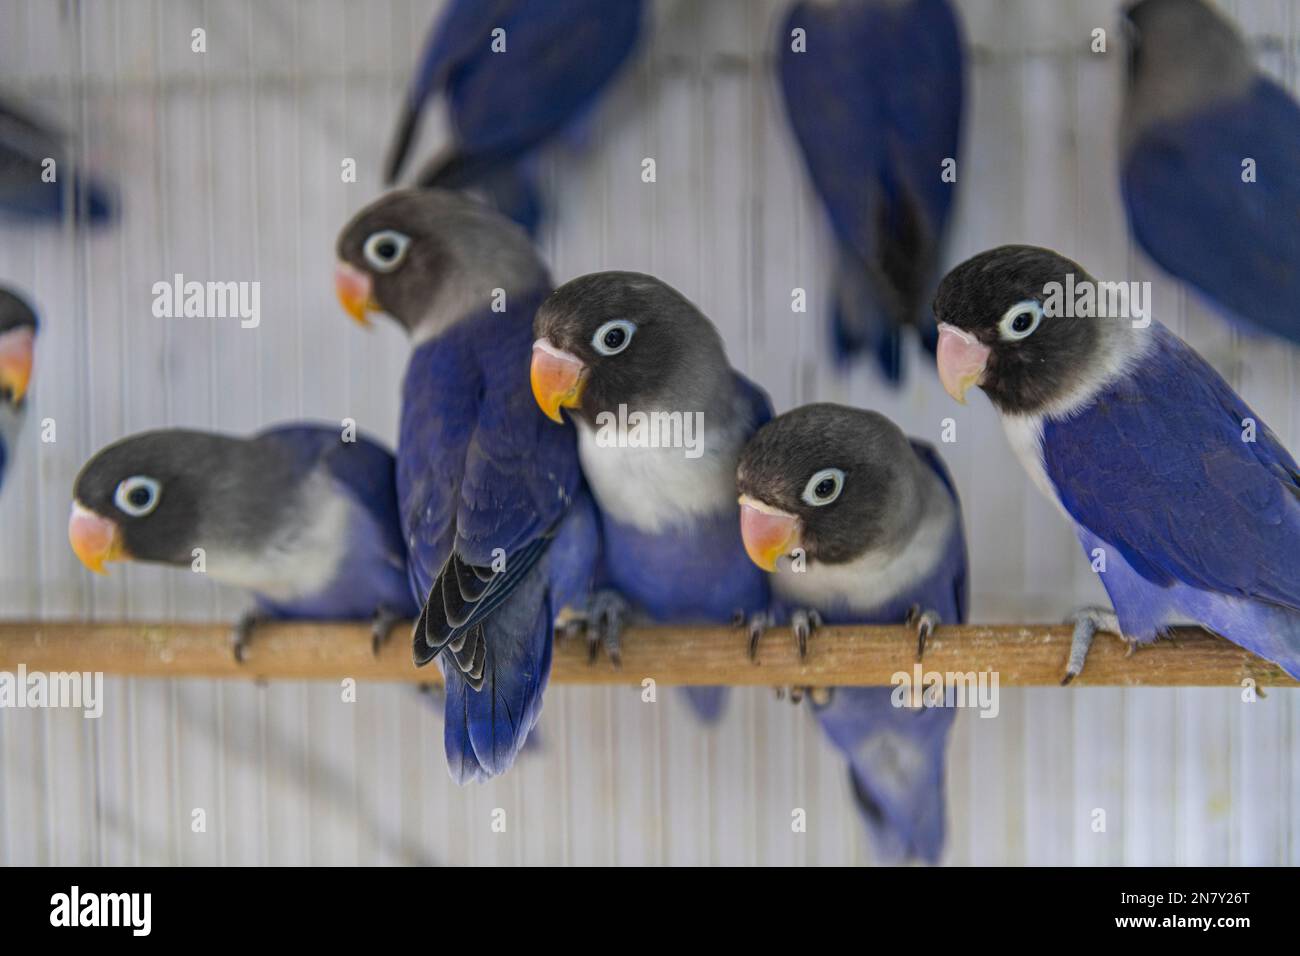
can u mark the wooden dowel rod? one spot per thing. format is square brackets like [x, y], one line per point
[1022, 656]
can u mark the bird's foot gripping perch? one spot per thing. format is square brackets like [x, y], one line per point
[381, 627]
[241, 635]
[1087, 622]
[602, 624]
[803, 624]
[925, 622]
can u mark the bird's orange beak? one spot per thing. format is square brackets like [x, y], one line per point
[558, 379]
[16, 347]
[768, 532]
[95, 540]
[962, 359]
[353, 288]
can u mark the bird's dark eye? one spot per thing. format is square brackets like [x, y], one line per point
[823, 487]
[137, 495]
[1020, 320]
[384, 250]
[613, 337]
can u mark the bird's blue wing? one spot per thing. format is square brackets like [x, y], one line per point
[1238, 242]
[25, 144]
[1161, 467]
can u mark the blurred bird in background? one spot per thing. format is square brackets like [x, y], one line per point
[874, 91]
[17, 345]
[1171, 479]
[26, 147]
[1211, 164]
[612, 344]
[515, 74]
[297, 515]
[501, 535]
[875, 521]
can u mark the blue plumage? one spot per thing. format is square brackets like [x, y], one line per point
[487, 489]
[25, 196]
[1198, 523]
[875, 103]
[558, 57]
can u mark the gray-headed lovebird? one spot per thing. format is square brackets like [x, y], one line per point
[1211, 164]
[17, 343]
[499, 530]
[874, 90]
[860, 525]
[303, 516]
[661, 419]
[1185, 501]
[515, 73]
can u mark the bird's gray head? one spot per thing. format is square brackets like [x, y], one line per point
[834, 481]
[993, 331]
[158, 495]
[428, 257]
[17, 344]
[1182, 56]
[624, 338]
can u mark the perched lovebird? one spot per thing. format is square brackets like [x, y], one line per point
[1168, 475]
[874, 90]
[1211, 164]
[500, 533]
[515, 74]
[17, 342]
[860, 525]
[26, 191]
[661, 418]
[296, 514]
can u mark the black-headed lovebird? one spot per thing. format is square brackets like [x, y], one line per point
[1182, 497]
[514, 74]
[860, 525]
[499, 530]
[1211, 164]
[874, 91]
[661, 419]
[33, 191]
[18, 326]
[304, 516]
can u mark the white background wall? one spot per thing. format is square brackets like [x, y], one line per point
[228, 164]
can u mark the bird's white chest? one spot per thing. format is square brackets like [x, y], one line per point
[654, 488]
[1025, 435]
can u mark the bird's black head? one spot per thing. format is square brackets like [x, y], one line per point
[430, 256]
[831, 480]
[17, 344]
[623, 338]
[993, 331]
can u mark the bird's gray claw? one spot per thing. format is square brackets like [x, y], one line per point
[804, 623]
[757, 624]
[381, 628]
[925, 621]
[241, 635]
[1087, 622]
[606, 614]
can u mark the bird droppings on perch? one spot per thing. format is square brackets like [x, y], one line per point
[1021, 655]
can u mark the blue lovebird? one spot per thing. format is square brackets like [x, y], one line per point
[873, 90]
[499, 531]
[25, 145]
[1195, 112]
[515, 74]
[621, 348]
[297, 515]
[1166, 473]
[859, 525]
[17, 343]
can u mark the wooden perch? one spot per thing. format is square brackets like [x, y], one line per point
[1025, 656]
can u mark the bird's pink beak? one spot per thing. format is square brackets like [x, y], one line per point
[962, 359]
[767, 532]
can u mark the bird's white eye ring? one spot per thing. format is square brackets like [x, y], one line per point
[137, 495]
[385, 250]
[613, 337]
[823, 487]
[1019, 321]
